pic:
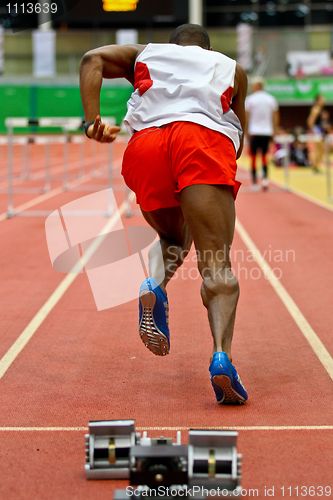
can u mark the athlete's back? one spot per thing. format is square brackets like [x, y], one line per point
[261, 107]
[183, 83]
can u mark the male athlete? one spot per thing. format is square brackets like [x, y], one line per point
[262, 112]
[186, 115]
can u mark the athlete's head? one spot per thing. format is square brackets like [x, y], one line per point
[190, 34]
[258, 84]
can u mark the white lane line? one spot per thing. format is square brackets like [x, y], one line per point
[8, 359]
[304, 326]
[43, 429]
[182, 428]
[303, 195]
[50, 194]
[308, 197]
[242, 428]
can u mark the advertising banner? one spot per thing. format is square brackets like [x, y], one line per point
[44, 53]
[300, 91]
[2, 58]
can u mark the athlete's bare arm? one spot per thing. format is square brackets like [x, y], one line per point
[314, 113]
[276, 121]
[111, 61]
[238, 102]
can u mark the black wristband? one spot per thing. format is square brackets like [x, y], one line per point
[86, 125]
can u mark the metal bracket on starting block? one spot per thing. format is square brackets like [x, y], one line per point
[213, 460]
[114, 450]
[108, 447]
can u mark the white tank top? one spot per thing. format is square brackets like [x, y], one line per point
[183, 83]
[260, 106]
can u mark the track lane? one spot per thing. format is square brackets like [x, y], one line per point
[303, 325]
[271, 460]
[83, 365]
[95, 366]
[280, 222]
[26, 276]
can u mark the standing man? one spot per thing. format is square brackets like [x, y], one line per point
[186, 115]
[262, 113]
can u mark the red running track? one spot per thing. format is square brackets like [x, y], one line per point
[82, 365]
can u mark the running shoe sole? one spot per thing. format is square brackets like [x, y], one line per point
[150, 335]
[231, 396]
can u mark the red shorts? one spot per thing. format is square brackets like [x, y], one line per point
[161, 161]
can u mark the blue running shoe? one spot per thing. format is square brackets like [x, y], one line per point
[154, 317]
[225, 380]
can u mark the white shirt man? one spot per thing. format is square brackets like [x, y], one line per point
[262, 112]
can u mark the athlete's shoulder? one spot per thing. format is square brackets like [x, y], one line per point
[220, 56]
[161, 47]
[270, 98]
[240, 72]
[158, 49]
[252, 99]
[267, 94]
[172, 51]
[240, 81]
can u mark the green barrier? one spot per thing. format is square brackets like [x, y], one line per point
[15, 101]
[302, 91]
[45, 101]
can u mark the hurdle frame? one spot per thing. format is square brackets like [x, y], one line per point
[69, 126]
[286, 139]
[328, 147]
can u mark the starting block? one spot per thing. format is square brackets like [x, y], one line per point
[115, 450]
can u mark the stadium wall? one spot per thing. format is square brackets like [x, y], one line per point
[47, 101]
[72, 44]
[60, 96]
[37, 101]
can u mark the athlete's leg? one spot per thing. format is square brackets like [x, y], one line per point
[264, 166]
[264, 155]
[164, 259]
[210, 214]
[318, 154]
[173, 246]
[253, 154]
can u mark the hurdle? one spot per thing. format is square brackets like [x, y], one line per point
[24, 155]
[69, 127]
[328, 166]
[285, 140]
[25, 172]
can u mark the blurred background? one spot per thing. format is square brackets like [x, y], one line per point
[289, 43]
